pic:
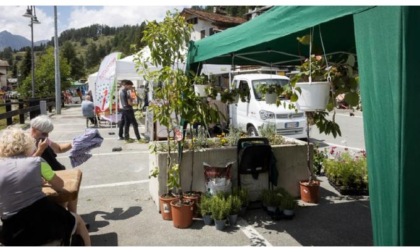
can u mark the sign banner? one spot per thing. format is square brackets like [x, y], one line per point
[105, 83]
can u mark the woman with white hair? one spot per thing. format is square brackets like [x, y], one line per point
[41, 126]
[29, 218]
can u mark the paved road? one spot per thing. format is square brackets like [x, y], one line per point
[352, 132]
[114, 199]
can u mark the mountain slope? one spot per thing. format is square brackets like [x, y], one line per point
[16, 42]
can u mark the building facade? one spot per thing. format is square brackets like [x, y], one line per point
[3, 74]
[207, 23]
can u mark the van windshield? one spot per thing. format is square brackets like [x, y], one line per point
[256, 83]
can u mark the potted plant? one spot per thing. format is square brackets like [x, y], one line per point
[201, 84]
[243, 194]
[220, 209]
[235, 205]
[271, 200]
[175, 86]
[195, 197]
[342, 80]
[347, 172]
[341, 75]
[182, 209]
[175, 103]
[205, 209]
[288, 205]
[270, 91]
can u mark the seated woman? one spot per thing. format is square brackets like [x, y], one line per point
[41, 127]
[29, 218]
[88, 110]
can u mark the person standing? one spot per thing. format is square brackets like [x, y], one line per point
[121, 123]
[79, 93]
[128, 112]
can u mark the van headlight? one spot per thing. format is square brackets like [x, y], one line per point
[264, 114]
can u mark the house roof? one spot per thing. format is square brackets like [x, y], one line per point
[3, 63]
[213, 17]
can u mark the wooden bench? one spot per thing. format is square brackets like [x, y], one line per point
[72, 179]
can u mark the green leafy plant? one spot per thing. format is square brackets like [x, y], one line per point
[347, 169]
[235, 204]
[344, 81]
[243, 194]
[288, 202]
[268, 130]
[205, 205]
[166, 40]
[220, 207]
[271, 197]
[270, 88]
[174, 100]
[174, 177]
[319, 157]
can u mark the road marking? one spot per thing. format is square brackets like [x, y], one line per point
[116, 184]
[111, 153]
[255, 237]
[348, 115]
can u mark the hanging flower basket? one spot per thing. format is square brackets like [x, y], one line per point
[314, 95]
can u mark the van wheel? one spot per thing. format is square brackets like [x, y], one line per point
[252, 131]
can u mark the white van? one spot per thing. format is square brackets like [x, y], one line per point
[250, 115]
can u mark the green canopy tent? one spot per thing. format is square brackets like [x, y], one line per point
[270, 39]
[384, 38]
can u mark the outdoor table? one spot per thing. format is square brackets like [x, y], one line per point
[72, 179]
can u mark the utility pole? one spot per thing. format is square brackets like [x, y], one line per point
[30, 13]
[57, 67]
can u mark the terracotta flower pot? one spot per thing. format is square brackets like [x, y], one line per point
[195, 197]
[309, 192]
[165, 206]
[182, 213]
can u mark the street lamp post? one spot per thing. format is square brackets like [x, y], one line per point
[30, 13]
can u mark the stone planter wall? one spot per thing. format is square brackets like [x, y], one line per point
[291, 167]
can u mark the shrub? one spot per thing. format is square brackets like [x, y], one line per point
[243, 194]
[205, 205]
[346, 169]
[235, 204]
[220, 208]
[288, 202]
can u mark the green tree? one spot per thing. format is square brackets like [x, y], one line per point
[166, 41]
[45, 76]
[7, 55]
[25, 67]
[175, 98]
[76, 64]
[92, 57]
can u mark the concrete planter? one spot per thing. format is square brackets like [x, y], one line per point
[291, 167]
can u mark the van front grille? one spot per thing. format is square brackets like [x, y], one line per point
[289, 115]
[293, 131]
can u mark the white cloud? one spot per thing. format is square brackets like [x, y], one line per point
[77, 17]
[116, 16]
